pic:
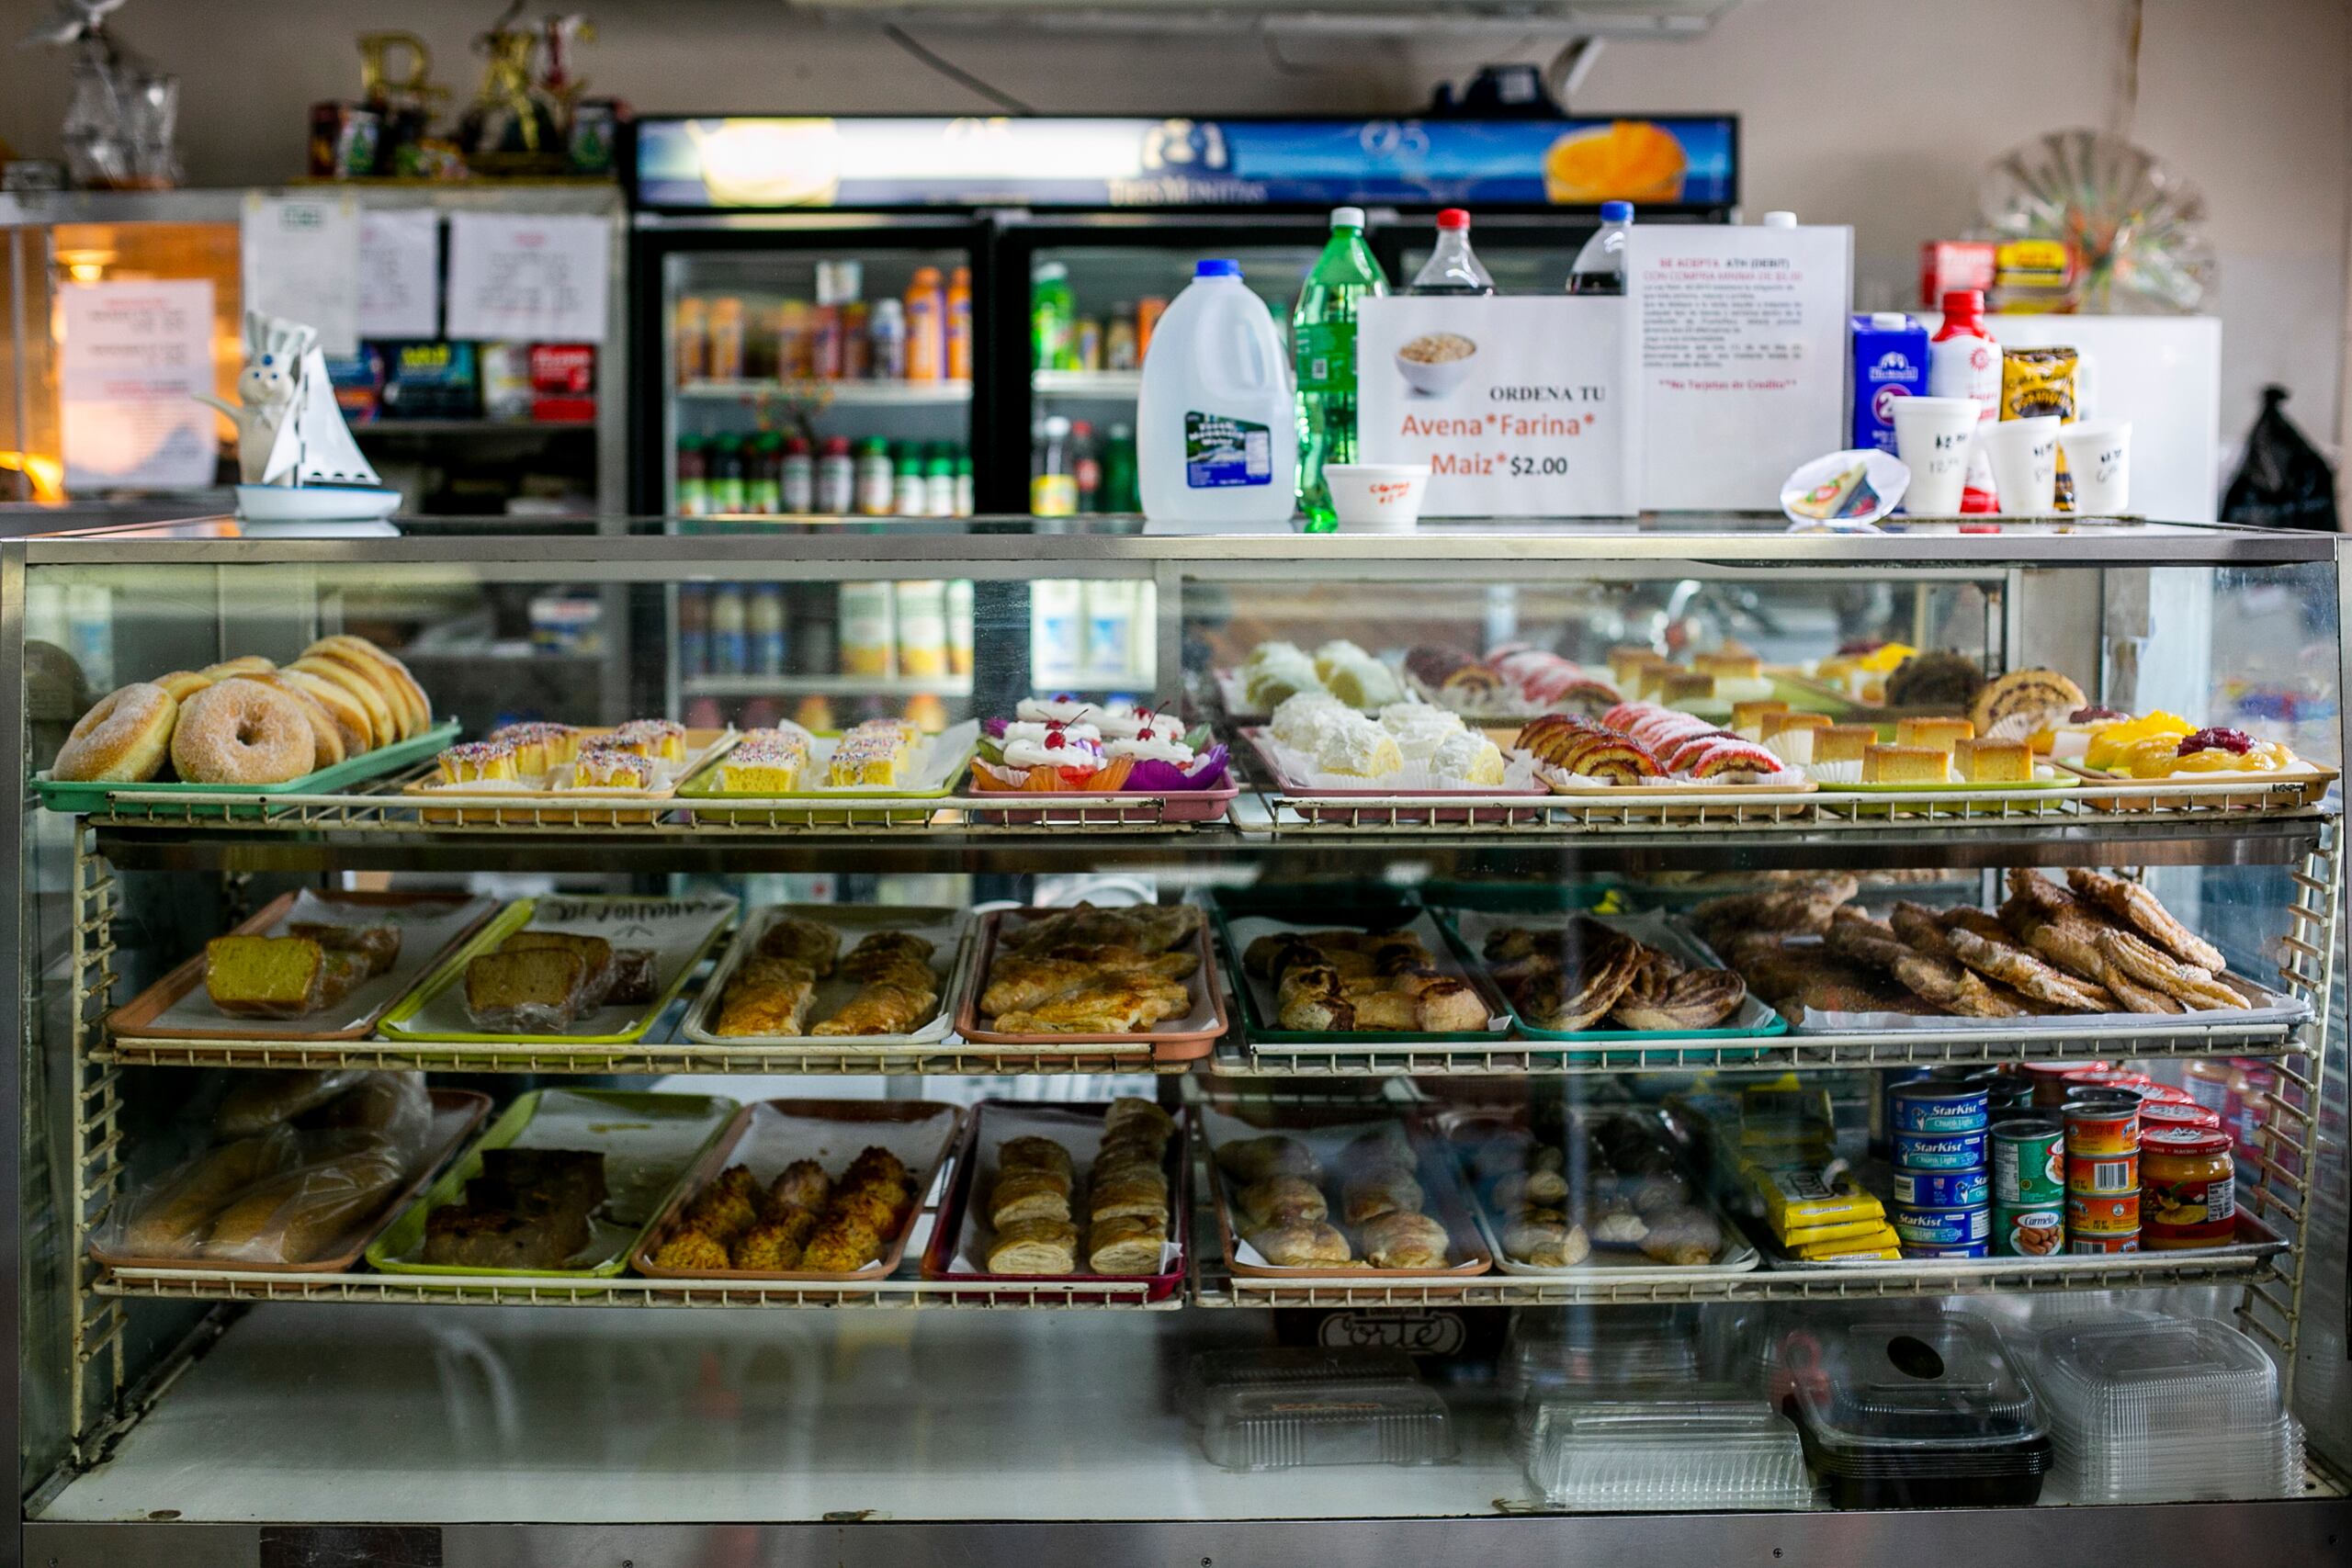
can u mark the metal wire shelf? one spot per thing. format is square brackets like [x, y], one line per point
[952, 1057]
[230, 1285]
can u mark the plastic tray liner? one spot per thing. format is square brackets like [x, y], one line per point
[1667, 1453]
[1214, 1373]
[1326, 1423]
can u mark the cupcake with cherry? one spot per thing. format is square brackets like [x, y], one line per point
[1061, 745]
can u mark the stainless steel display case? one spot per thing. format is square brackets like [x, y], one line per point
[202, 1416]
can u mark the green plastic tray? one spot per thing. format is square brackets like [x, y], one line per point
[1317, 908]
[615, 1240]
[88, 798]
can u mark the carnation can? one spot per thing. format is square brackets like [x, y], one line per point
[1927, 1105]
[1942, 1188]
[2029, 1230]
[2029, 1160]
[1938, 1151]
[1942, 1227]
[2112, 1213]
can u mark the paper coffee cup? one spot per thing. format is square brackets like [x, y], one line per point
[2025, 465]
[1934, 437]
[2098, 457]
[1376, 498]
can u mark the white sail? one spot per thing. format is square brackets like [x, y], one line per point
[330, 456]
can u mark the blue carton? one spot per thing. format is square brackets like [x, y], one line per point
[1890, 362]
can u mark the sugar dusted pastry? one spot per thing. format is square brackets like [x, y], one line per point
[1359, 751]
[1468, 760]
[1300, 722]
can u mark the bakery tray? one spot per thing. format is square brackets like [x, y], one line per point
[585, 805]
[941, 767]
[1315, 802]
[1192, 1036]
[647, 1141]
[680, 930]
[769, 1134]
[1242, 916]
[949, 930]
[456, 1113]
[1617, 1263]
[1751, 1019]
[959, 1236]
[176, 1008]
[1327, 1130]
[102, 797]
[2267, 1007]
[2306, 785]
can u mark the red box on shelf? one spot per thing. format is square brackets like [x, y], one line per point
[1953, 264]
[563, 382]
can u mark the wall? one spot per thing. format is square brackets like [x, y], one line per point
[1878, 113]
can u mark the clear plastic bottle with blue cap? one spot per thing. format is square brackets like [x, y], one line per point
[1600, 267]
[1215, 433]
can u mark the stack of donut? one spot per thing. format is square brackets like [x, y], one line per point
[249, 721]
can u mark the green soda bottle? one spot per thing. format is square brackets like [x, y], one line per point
[1323, 342]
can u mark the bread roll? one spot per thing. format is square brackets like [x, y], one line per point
[174, 1217]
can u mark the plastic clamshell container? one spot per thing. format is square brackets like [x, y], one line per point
[1547, 1350]
[2152, 1409]
[1212, 1373]
[1919, 1409]
[1611, 1456]
[1325, 1424]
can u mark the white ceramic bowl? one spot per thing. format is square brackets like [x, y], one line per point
[1377, 498]
[1436, 377]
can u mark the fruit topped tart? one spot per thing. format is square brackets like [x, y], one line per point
[2163, 745]
[1062, 744]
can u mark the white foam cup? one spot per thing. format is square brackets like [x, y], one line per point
[1934, 437]
[2025, 463]
[2099, 459]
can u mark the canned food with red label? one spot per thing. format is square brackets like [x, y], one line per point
[2108, 1215]
[2091, 1246]
[2099, 1174]
[2049, 1079]
[2159, 1113]
[2190, 1197]
[2106, 1123]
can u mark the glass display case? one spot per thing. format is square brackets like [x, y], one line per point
[1667, 1037]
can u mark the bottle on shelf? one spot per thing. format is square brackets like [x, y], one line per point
[1216, 433]
[1453, 266]
[1052, 317]
[1119, 350]
[1056, 641]
[1053, 486]
[764, 475]
[908, 497]
[887, 336]
[959, 626]
[836, 476]
[867, 639]
[959, 325]
[926, 326]
[762, 338]
[1085, 466]
[765, 624]
[1119, 491]
[1323, 344]
[825, 351]
[730, 649]
[690, 340]
[1600, 267]
[1107, 652]
[792, 346]
[693, 477]
[877, 480]
[921, 610]
[727, 339]
[694, 630]
[1964, 362]
[965, 502]
[1086, 343]
[725, 474]
[796, 476]
[939, 482]
[1148, 313]
[857, 340]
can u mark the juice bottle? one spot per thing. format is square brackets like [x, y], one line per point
[1085, 466]
[1119, 350]
[690, 340]
[1323, 344]
[765, 626]
[938, 482]
[694, 478]
[1052, 317]
[1147, 314]
[764, 475]
[877, 479]
[959, 325]
[836, 479]
[797, 477]
[888, 339]
[1216, 432]
[1053, 484]
[910, 497]
[727, 339]
[825, 351]
[964, 505]
[1964, 362]
[926, 327]
[857, 344]
[725, 474]
[731, 650]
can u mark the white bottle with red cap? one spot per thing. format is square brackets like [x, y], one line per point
[1964, 362]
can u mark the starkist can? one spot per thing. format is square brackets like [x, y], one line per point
[1931, 1105]
[1942, 1227]
[1938, 1151]
[1942, 1188]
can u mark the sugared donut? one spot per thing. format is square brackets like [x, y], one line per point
[244, 664]
[323, 734]
[383, 727]
[183, 683]
[350, 717]
[123, 739]
[240, 731]
[390, 676]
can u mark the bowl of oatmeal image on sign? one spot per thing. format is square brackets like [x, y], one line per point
[1434, 364]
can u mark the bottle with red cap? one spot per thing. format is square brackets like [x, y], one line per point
[1964, 362]
[1453, 269]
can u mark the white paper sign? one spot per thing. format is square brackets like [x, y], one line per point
[1741, 373]
[399, 274]
[135, 355]
[302, 261]
[527, 280]
[1517, 405]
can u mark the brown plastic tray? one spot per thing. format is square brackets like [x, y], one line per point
[1446, 1202]
[456, 1113]
[136, 1018]
[1167, 1045]
[924, 1147]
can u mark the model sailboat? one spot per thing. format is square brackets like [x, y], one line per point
[297, 457]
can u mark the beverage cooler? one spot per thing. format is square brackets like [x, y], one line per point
[904, 318]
